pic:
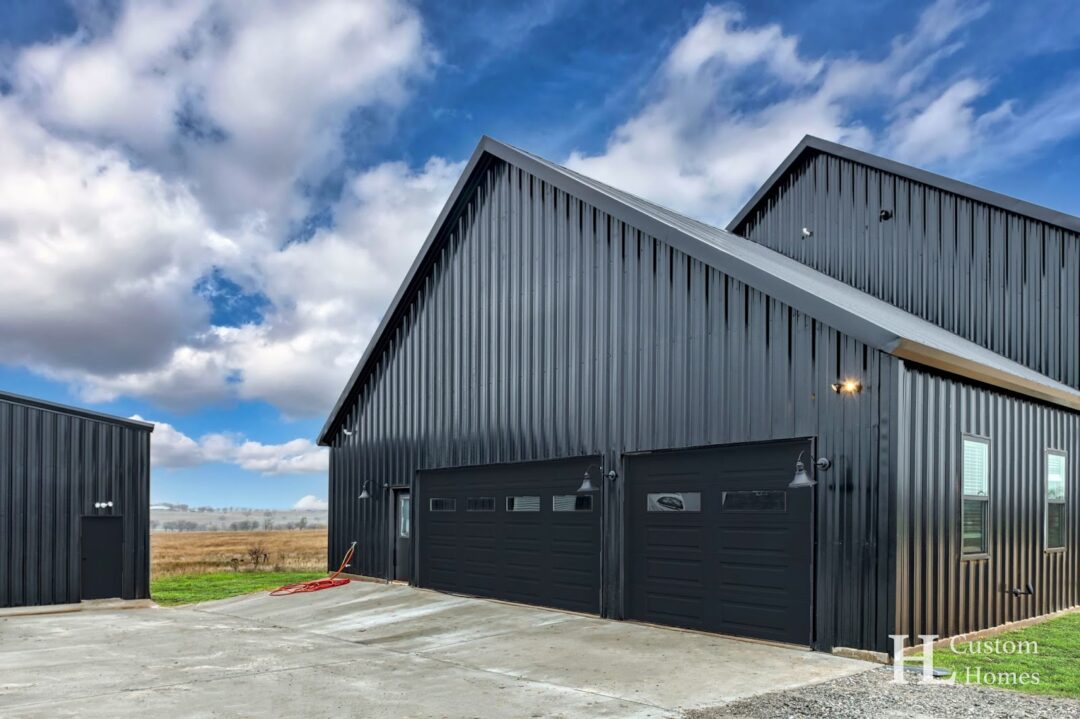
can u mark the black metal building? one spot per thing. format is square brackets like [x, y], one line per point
[74, 504]
[553, 327]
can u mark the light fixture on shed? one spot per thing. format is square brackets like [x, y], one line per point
[364, 494]
[847, 386]
[802, 479]
[586, 482]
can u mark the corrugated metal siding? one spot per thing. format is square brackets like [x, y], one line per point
[937, 591]
[547, 329]
[53, 467]
[1004, 281]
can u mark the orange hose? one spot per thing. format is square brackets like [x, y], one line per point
[318, 584]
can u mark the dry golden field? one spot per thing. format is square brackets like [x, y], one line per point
[174, 553]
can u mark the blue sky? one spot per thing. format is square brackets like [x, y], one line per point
[208, 204]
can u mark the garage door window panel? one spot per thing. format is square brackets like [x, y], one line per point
[571, 503]
[764, 500]
[673, 502]
[442, 504]
[480, 504]
[522, 504]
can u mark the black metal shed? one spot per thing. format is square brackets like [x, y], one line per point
[554, 326]
[74, 504]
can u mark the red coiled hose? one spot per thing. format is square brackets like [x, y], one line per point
[317, 584]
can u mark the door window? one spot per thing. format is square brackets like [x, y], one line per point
[403, 516]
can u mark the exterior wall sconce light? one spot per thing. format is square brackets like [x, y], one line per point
[847, 386]
[802, 479]
[586, 483]
[807, 232]
[364, 494]
[103, 505]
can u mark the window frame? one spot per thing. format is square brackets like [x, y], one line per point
[511, 509]
[984, 553]
[432, 500]
[1064, 501]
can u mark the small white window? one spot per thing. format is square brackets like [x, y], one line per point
[522, 504]
[442, 504]
[673, 502]
[1055, 499]
[975, 510]
[571, 503]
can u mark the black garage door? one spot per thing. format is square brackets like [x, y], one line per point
[716, 541]
[518, 532]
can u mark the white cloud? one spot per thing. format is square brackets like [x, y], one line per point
[163, 140]
[243, 97]
[731, 100]
[311, 502]
[172, 448]
[169, 447]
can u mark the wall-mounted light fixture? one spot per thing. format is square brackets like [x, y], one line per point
[885, 215]
[807, 232]
[802, 479]
[103, 505]
[364, 494]
[847, 386]
[586, 482]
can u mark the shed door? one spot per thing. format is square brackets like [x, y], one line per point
[716, 541]
[518, 532]
[102, 557]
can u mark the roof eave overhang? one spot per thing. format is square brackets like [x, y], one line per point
[979, 372]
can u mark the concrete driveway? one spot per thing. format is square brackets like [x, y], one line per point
[381, 651]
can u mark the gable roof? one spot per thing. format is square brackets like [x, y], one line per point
[74, 411]
[811, 144]
[848, 310]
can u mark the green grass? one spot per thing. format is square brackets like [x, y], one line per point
[189, 588]
[1054, 659]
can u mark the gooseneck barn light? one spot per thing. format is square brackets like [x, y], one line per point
[586, 483]
[364, 494]
[802, 479]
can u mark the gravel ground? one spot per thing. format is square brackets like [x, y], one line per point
[872, 694]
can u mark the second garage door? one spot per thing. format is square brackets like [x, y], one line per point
[715, 540]
[518, 532]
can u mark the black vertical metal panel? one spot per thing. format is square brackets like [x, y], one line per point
[939, 591]
[1003, 280]
[54, 465]
[545, 328]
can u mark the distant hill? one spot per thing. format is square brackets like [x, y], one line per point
[166, 517]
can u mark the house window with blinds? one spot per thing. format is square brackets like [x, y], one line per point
[976, 502]
[1055, 500]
